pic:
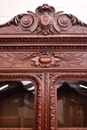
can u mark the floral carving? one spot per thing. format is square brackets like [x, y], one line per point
[44, 21]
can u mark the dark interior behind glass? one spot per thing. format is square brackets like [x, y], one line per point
[16, 104]
[72, 103]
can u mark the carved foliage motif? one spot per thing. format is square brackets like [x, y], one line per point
[54, 77]
[37, 79]
[45, 21]
[43, 59]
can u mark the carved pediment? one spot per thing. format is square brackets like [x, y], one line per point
[44, 21]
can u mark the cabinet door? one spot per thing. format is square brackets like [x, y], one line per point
[72, 104]
[17, 104]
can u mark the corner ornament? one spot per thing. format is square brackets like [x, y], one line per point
[45, 21]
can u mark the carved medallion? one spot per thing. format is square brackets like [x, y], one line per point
[45, 20]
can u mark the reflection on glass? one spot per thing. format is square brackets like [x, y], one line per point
[16, 104]
[72, 104]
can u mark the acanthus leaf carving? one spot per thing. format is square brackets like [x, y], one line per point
[13, 21]
[44, 21]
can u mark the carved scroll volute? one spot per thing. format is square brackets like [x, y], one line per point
[44, 21]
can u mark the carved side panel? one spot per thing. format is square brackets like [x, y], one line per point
[43, 59]
[54, 78]
[37, 79]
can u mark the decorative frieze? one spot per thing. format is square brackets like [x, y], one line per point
[43, 59]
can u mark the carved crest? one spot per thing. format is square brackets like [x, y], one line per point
[44, 21]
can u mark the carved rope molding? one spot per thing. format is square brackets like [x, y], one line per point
[43, 59]
[44, 21]
[35, 78]
[46, 101]
[54, 78]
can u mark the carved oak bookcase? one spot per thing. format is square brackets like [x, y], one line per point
[49, 49]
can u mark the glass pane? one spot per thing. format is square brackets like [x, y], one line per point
[16, 104]
[72, 104]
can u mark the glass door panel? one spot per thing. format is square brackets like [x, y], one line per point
[17, 104]
[71, 104]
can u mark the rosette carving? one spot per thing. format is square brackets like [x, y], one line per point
[64, 21]
[26, 21]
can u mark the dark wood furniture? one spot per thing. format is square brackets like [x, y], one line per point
[44, 47]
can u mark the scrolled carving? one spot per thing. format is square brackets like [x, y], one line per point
[64, 21]
[44, 21]
[26, 21]
[14, 21]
